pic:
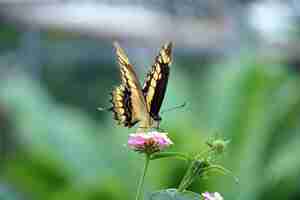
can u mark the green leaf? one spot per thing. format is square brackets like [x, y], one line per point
[173, 194]
[177, 155]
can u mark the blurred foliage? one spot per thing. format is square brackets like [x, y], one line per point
[55, 145]
[8, 37]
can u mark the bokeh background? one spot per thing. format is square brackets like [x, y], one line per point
[236, 64]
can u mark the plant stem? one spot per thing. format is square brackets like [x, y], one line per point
[183, 182]
[176, 155]
[194, 170]
[142, 179]
[203, 153]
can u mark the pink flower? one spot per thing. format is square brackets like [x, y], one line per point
[149, 142]
[211, 196]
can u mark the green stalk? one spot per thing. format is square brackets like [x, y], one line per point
[176, 155]
[183, 183]
[194, 170]
[142, 179]
[203, 153]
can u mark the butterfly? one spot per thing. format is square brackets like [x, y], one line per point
[133, 103]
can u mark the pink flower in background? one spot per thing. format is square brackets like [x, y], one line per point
[211, 196]
[149, 142]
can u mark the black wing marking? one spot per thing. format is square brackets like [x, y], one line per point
[132, 90]
[155, 84]
[122, 107]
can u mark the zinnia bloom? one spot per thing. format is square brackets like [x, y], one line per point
[149, 142]
[211, 196]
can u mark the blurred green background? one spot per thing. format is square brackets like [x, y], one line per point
[236, 65]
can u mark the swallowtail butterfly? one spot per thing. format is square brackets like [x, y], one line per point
[133, 103]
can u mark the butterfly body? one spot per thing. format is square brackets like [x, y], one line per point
[132, 103]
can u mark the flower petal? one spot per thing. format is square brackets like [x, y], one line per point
[149, 142]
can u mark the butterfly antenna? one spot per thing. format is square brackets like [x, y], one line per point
[104, 109]
[174, 108]
[116, 44]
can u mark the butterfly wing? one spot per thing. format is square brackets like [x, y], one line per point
[122, 108]
[129, 94]
[156, 81]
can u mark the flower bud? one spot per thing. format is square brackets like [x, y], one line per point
[218, 145]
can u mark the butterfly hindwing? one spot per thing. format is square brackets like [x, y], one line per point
[122, 107]
[156, 81]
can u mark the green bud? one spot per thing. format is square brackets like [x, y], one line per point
[218, 145]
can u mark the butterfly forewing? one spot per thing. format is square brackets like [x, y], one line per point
[155, 84]
[135, 102]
